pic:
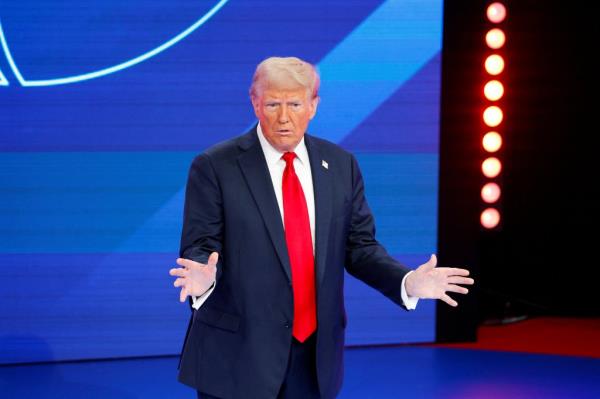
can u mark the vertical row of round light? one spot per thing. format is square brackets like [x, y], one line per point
[493, 91]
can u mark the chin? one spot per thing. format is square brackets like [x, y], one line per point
[285, 144]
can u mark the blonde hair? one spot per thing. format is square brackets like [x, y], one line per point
[285, 73]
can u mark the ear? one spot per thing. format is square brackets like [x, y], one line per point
[314, 103]
[256, 105]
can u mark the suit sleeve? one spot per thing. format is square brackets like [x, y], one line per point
[367, 259]
[202, 231]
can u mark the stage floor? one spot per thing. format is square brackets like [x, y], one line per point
[379, 372]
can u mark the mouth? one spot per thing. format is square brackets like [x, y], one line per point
[284, 132]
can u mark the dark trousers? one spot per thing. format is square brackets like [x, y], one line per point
[300, 380]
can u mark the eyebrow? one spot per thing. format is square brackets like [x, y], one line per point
[293, 100]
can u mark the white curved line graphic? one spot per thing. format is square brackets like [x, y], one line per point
[3, 80]
[106, 71]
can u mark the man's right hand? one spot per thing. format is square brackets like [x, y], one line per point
[195, 278]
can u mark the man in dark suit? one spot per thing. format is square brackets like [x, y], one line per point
[271, 219]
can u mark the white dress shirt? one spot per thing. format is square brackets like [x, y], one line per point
[276, 166]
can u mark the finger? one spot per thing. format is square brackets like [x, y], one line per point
[187, 263]
[213, 259]
[183, 294]
[179, 282]
[178, 272]
[454, 271]
[449, 300]
[460, 280]
[457, 288]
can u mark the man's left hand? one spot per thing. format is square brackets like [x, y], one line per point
[427, 281]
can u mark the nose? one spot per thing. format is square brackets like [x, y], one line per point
[283, 114]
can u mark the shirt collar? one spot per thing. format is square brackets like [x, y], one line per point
[272, 155]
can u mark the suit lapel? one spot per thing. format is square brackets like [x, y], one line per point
[323, 197]
[254, 168]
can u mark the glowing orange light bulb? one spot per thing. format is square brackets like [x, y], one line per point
[490, 218]
[496, 12]
[495, 38]
[492, 141]
[490, 193]
[491, 167]
[494, 64]
[492, 116]
[493, 90]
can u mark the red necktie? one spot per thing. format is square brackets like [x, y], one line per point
[300, 251]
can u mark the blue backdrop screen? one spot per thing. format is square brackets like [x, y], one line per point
[103, 105]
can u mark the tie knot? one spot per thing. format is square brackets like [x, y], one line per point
[288, 157]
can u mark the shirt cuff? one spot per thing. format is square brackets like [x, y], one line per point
[410, 302]
[198, 301]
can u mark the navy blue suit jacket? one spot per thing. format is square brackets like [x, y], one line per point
[238, 342]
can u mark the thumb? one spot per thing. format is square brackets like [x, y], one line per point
[431, 263]
[183, 294]
[213, 259]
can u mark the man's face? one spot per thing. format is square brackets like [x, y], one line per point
[284, 115]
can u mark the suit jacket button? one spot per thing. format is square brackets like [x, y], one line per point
[287, 324]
